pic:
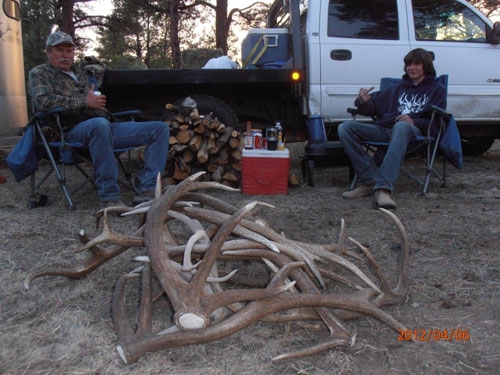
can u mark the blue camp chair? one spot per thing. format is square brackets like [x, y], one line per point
[426, 147]
[36, 144]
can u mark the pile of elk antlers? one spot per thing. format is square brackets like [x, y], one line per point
[189, 235]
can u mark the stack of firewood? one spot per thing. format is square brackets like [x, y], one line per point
[203, 143]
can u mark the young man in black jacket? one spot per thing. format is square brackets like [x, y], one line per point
[400, 112]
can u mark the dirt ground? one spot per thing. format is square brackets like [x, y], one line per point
[62, 326]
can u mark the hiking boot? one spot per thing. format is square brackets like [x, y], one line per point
[360, 192]
[113, 203]
[143, 196]
[383, 199]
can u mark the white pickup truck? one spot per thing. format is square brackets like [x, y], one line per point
[336, 47]
[353, 43]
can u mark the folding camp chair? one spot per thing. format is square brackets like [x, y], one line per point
[426, 146]
[60, 154]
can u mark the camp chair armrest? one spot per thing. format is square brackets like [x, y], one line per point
[438, 111]
[132, 113]
[353, 111]
[45, 114]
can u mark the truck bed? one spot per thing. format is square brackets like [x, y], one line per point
[171, 77]
[260, 95]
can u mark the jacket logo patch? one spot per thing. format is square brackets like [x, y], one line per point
[412, 103]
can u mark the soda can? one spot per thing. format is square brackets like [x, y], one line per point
[257, 139]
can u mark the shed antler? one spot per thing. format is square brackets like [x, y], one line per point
[186, 246]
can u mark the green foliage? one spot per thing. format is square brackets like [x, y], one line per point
[196, 58]
[37, 19]
[135, 32]
[488, 7]
[138, 34]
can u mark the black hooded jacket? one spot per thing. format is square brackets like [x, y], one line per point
[405, 98]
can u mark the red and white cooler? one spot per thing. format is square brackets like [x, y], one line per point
[265, 172]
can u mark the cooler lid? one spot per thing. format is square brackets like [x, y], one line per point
[266, 153]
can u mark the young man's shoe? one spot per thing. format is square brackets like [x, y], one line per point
[113, 203]
[143, 196]
[382, 199]
[360, 192]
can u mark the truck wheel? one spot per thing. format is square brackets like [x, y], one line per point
[207, 104]
[476, 145]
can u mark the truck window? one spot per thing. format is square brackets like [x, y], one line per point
[445, 20]
[363, 19]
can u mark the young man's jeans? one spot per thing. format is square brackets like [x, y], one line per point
[352, 134]
[102, 137]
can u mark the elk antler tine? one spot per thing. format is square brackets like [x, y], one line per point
[208, 200]
[330, 344]
[187, 265]
[143, 258]
[216, 245]
[351, 267]
[376, 269]
[342, 235]
[193, 224]
[206, 185]
[401, 289]
[211, 279]
[118, 314]
[158, 187]
[144, 323]
[265, 204]
[84, 239]
[137, 210]
[283, 272]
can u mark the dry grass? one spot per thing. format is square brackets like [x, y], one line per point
[63, 326]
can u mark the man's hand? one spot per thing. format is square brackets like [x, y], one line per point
[405, 118]
[364, 94]
[95, 101]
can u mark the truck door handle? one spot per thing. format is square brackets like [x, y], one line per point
[341, 54]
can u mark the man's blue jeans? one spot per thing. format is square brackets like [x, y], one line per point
[352, 134]
[102, 137]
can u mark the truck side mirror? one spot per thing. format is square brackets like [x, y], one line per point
[493, 35]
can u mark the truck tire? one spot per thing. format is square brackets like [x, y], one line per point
[207, 104]
[476, 145]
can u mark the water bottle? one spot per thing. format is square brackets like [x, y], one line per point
[279, 130]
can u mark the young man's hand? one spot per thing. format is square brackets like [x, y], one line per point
[405, 118]
[364, 94]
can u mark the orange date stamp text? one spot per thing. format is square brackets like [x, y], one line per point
[434, 335]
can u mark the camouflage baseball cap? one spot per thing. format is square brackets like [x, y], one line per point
[59, 37]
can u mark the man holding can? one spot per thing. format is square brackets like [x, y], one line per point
[59, 83]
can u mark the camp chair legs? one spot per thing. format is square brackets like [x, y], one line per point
[431, 152]
[430, 171]
[307, 170]
[328, 153]
[60, 174]
[127, 171]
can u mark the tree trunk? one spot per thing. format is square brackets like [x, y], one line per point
[174, 34]
[221, 26]
[67, 24]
